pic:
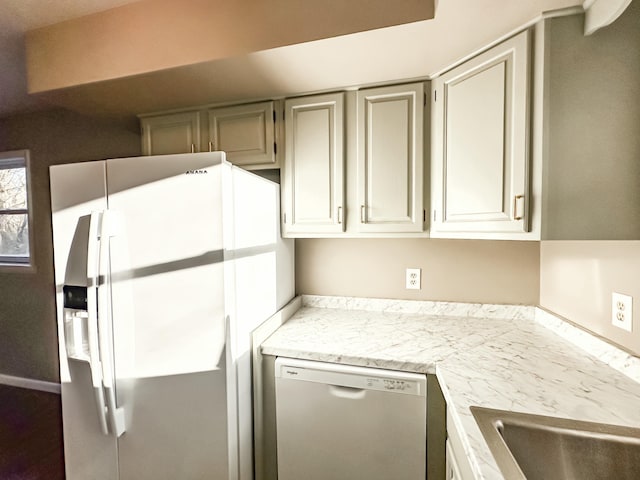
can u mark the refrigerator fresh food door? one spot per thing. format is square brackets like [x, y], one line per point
[78, 198]
[168, 309]
[261, 262]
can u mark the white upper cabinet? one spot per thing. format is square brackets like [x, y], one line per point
[480, 145]
[390, 159]
[246, 133]
[313, 180]
[172, 133]
[354, 163]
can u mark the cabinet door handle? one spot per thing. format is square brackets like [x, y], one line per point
[193, 148]
[210, 146]
[340, 214]
[515, 207]
[362, 214]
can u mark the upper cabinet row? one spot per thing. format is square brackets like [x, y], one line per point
[479, 143]
[518, 142]
[354, 162]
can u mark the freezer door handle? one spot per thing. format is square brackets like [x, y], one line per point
[95, 366]
[115, 416]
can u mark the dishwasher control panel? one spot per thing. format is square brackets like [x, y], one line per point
[399, 385]
[352, 376]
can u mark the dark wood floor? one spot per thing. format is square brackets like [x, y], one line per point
[30, 435]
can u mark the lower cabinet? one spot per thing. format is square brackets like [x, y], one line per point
[457, 463]
[453, 470]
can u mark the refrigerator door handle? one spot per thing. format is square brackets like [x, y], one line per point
[115, 415]
[95, 366]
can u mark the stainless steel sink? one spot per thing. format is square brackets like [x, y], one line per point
[536, 447]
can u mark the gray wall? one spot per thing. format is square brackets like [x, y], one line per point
[28, 334]
[592, 169]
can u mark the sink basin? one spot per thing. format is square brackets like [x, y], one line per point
[536, 447]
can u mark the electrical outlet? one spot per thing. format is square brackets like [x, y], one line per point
[412, 281]
[622, 311]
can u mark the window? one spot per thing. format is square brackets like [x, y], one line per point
[15, 248]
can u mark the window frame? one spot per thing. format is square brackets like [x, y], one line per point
[19, 159]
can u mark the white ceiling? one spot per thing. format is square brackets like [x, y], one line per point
[412, 50]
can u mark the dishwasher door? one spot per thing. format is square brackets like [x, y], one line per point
[338, 422]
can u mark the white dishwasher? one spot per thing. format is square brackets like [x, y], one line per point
[339, 422]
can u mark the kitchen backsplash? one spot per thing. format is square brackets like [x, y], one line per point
[470, 271]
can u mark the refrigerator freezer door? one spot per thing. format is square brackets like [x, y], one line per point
[77, 190]
[169, 336]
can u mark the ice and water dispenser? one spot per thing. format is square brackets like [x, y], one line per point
[76, 322]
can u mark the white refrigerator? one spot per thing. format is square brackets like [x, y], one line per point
[163, 267]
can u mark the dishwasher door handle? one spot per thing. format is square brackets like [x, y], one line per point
[347, 392]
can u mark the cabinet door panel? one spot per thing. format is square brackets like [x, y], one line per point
[475, 124]
[389, 137]
[480, 143]
[390, 158]
[245, 133]
[314, 165]
[172, 133]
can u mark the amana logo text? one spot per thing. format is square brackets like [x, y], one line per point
[195, 172]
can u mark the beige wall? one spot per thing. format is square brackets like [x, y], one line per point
[28, 338]
[577, 279]
[452, 270]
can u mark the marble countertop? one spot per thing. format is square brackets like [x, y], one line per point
[506, 357]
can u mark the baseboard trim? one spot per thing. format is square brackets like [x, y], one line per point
[31, 384]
